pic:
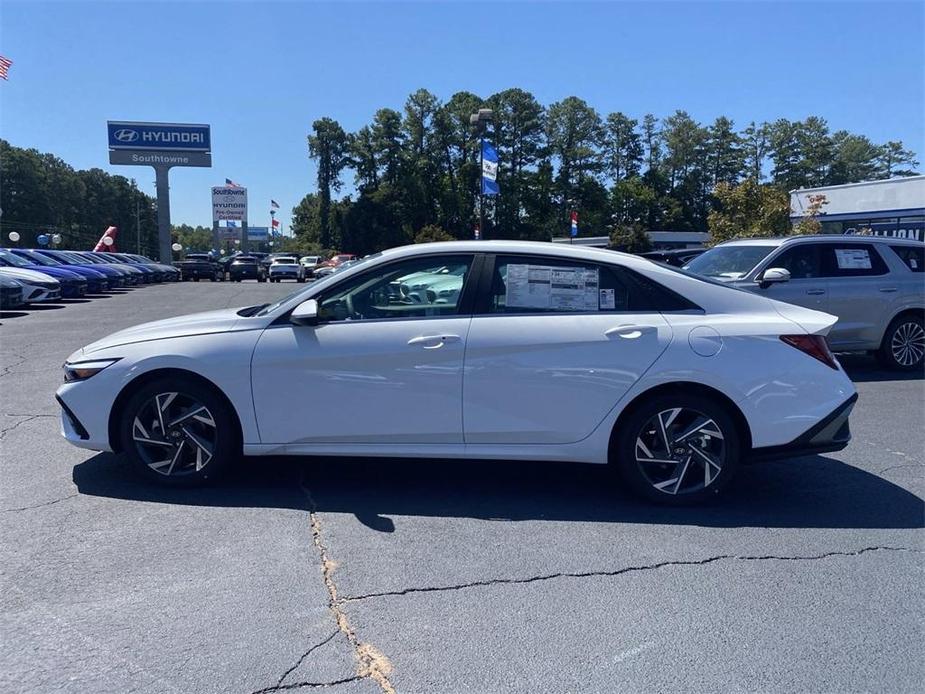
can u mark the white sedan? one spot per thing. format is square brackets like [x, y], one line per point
[544, 353]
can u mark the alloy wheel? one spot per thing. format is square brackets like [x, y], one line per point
[908, 344]
[680, 451]
[174, 434]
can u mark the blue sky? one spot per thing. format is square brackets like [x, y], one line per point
[261, 72]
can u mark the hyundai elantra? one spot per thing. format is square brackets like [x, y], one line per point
[479, 350]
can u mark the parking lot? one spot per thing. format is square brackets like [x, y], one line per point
[423, 576]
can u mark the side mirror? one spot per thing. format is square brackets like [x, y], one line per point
[305, 313]
[773, 275]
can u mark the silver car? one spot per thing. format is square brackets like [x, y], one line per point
[875, 286]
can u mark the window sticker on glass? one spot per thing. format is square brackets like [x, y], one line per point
[852, 259]
[555, 288]
[608, 300]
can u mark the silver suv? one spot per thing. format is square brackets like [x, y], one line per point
[874, 285]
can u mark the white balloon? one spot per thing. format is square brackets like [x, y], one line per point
[14, 236]
[177, 247]
[107, 240]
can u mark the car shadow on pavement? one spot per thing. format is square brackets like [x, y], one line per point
[811, 492]
[863, 368]
[12, 314]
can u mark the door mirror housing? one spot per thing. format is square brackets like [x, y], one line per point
[305, 313]
[773, 275]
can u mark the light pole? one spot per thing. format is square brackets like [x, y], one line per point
[479, 120]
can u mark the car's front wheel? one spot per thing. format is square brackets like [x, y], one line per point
[178, 432]
[677, 449]
[903, 346]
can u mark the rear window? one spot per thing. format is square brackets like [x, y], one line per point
[913, 257]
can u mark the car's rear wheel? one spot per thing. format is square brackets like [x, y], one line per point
[903, 346]
[677, 449]
[178, 433]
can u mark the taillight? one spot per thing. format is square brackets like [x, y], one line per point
[813, 345]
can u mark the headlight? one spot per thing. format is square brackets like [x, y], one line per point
[83, 370]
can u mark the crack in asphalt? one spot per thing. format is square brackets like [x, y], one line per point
[8, 369]
[371, 663]
[28, 418]
[301, 660]
[306, 685]
[620, 572]
[44, 503]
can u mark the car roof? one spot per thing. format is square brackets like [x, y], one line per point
[601, 255]
[819, 238]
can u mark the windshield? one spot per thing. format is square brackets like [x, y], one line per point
[728, 262]
[37, 258]
[13, 259]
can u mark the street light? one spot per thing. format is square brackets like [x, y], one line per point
[480, 120]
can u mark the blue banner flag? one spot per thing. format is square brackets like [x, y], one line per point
[489, 170]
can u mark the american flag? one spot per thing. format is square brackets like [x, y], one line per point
[5, 67]
[229, 182]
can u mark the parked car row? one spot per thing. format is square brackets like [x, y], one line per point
[262, 267]
[36, 275]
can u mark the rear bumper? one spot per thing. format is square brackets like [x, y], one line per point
[830, 434]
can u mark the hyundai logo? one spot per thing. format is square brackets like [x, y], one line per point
[126, 135]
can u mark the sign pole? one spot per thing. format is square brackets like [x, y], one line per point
[163, 214]
[216, 241]
[244, 236]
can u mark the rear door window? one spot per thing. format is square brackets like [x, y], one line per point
[852, 260]
[536, 284]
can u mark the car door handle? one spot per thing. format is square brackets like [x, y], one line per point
[629, 332]
[888, 290]
[815, 292]
[433, 341]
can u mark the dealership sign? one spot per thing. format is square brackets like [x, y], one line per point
[258, 233]
[162, 145]
[229, 202]
[171, 137]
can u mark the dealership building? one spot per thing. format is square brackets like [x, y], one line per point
[894, 207]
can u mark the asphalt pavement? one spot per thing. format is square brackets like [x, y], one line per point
[444, 576]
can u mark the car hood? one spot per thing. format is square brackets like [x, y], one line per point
[28, 275]
[223, 320]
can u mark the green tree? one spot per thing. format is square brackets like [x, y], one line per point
[574, 133]
[747, 210]
[755, 148]
[856, 159]
[725, 152]
[328, 146]
[631, 238]
[623, 149]
[432, 233]
[894, 156]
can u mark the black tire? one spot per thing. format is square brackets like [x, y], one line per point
[195, 279]
[222, 438]
[638, 446]
[903, 346]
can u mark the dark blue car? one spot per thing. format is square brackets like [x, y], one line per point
[96, 281]
[73, 285]
[119, 277]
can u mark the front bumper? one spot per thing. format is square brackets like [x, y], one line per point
[830, 434]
